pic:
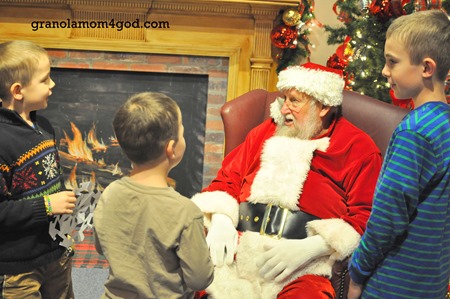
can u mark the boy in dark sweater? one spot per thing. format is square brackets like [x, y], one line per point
[32, 263]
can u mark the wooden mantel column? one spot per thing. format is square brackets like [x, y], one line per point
[261, 61]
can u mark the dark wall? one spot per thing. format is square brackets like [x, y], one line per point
[89, 98]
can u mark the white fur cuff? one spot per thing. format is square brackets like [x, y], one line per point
[340, 235]
[217, 202]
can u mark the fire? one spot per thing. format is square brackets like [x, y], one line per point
[77, 147]
[80, 153]
[71, 182]
[93, 141]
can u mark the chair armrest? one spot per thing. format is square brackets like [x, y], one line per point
[340, 279]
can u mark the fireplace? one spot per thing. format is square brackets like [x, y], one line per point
[227, 40]
[90, 85]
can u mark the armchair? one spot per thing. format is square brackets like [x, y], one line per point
[374, 117]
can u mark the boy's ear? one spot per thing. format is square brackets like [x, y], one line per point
[170, 149]
[16, 91]
[429, 67]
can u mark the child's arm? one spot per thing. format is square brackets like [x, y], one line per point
[21, 215]
[61, 202]
[195, 261]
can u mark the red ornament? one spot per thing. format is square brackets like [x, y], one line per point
[342, 16]
[283, 37]
[398, 7]
[335, 62]
[381, 9]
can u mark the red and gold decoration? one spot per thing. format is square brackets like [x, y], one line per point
[290, 42]
[361, 42]
[283, 37]
[292, 17]
[339, 60]
[398, 7]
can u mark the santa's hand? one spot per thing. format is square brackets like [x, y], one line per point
[283, 257]
[222, 240]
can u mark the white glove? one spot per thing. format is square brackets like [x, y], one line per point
[283, 257]
[222, 240]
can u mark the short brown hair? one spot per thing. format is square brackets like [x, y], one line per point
[425, 34]
[144, 125]
[19, 61]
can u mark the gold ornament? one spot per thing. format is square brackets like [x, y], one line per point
[291, 17]
[348, 52]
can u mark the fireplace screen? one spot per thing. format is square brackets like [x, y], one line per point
[82, 108]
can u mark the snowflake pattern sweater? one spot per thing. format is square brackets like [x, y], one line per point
[29, 169]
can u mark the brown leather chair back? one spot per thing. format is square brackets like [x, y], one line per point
[376, 118]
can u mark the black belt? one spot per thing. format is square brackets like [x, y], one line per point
[273, 220]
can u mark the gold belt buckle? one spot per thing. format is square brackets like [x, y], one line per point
[266, 219]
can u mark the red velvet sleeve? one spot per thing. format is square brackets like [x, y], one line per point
[360, 189]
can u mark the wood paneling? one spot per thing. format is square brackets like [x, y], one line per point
[235, 29]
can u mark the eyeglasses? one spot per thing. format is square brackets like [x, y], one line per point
[294, 104]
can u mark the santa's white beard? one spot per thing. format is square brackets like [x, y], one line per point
[308, 129]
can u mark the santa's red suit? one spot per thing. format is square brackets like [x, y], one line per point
[331, 177]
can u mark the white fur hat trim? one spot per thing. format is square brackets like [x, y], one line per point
[322, 83]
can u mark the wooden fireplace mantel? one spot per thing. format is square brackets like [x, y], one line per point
[237, 29]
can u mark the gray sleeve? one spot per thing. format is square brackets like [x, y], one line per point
[195, 261]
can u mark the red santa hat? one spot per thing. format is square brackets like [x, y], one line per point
[323, 83]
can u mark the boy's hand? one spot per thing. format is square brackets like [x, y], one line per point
[63, 202]
[354, 290]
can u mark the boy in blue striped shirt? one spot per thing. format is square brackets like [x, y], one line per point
[405, 250]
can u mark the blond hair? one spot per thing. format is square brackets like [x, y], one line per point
[425, 34]
[19, 60]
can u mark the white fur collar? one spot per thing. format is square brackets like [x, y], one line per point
[285, 163]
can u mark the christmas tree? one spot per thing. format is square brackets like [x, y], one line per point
[362, 39]
[290, 35]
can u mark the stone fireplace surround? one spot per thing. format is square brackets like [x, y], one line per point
[226, 39]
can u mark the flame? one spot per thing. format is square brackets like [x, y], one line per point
[71, 182]
[93, 141]
[113, 169]
[77, 147]
[101, 162]
[113, 141]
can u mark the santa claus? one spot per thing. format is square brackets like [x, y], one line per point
[294, 198]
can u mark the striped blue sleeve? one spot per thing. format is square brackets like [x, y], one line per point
[407, 168]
